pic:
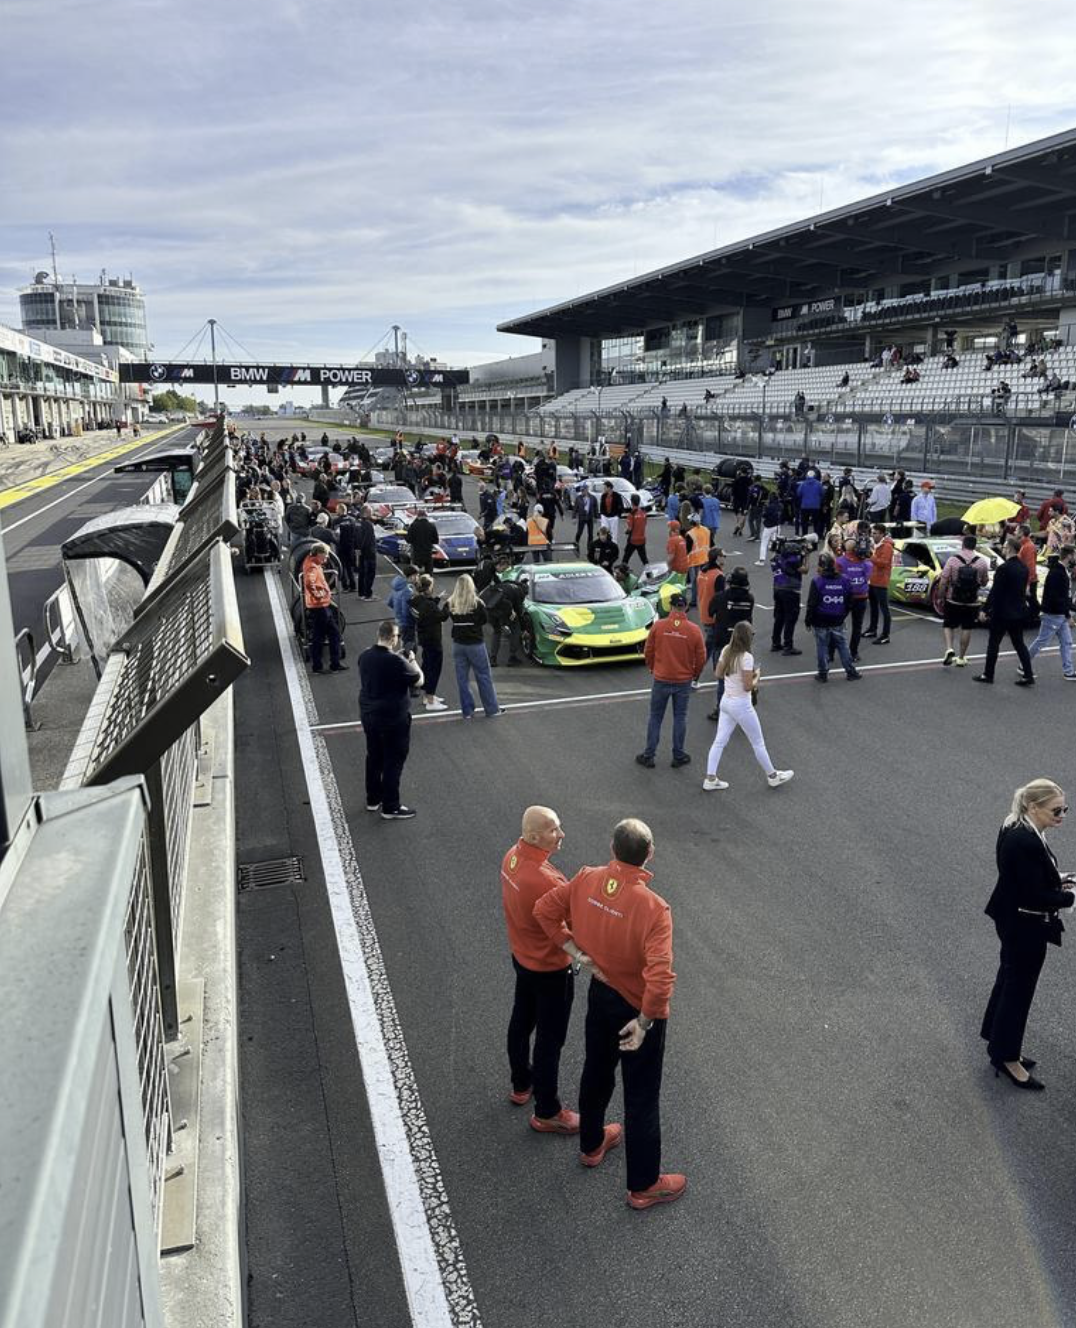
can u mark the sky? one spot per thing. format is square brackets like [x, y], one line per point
[310, 173]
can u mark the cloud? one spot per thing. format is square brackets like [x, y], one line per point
[311, 173]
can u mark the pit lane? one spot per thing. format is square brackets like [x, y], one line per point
[850, 1158]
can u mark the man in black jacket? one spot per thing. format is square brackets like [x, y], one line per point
[504, 609]
[603, 550]
[1006, 608]
[422, 536]
[365, 554]
[346, 533]
[1056, 609]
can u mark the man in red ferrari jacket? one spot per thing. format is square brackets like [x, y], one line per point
[609, 920]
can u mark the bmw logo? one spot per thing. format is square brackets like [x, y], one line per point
[158, 372]
[412, 377]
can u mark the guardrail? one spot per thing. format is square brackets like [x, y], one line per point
[61, 626]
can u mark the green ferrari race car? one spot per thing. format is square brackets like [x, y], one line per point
[576, 613]
[917, 569]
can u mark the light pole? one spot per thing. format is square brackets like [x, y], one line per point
[213, 352]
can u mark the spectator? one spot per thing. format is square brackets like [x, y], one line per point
[675, 655]
[878, 586]
[468, 615]
[736, 666]
[320, 617]
[1029, 556]
[924, 508]
[1006, 607]
[429, 614]
[963, 575]
[1053, 506]
[676, 550]
[1057, 608]
[386, 676]
[603, 550]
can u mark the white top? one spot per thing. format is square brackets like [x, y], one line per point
[734, 688]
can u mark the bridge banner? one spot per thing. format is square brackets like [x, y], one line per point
[290, 375]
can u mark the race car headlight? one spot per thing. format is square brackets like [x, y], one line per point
[557, 626]
[439, 555]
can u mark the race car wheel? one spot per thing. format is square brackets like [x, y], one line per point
[937, 600]
[526, 638]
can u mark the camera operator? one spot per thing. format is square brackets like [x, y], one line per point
[789, 562]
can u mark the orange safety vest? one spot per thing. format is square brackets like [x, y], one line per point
[699, 537]
[536, 530]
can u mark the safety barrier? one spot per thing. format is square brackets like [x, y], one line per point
[83, 1094]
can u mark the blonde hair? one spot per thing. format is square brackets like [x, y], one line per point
[1032, 795]
[464, 597]
[743, 634]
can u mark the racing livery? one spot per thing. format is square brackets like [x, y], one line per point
[917, 569]
[456, 548]
[576, 614]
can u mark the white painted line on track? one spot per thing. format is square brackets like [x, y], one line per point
[14, 525]
[435, 1277]
[625, 694]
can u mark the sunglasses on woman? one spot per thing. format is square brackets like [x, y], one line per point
[1059, 811]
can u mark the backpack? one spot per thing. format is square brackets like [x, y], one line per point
[965, 589]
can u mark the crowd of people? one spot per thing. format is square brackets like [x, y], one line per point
[830, 537]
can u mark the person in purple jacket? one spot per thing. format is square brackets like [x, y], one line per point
[856, 568]
[828, 600]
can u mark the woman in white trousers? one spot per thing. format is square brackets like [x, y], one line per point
[736, 665]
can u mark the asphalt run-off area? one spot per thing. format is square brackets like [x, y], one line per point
[851, 1158]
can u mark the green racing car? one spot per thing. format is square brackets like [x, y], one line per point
[576, 613]
[917, 569]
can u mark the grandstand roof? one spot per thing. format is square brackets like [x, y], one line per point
[981, 212]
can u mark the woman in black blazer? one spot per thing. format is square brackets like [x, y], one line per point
[1024, 907]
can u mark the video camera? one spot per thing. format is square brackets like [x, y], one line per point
[791, 546]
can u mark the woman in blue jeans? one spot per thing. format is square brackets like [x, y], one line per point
[468, 616]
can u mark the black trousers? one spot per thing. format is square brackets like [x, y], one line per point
[542, 1007]
[1015, 633]
[322, 626]
[1022, 958]
[879, 601]
[584, 523]
[347, 569]
[640, 549]
[786, 613]
[607, 1013]
[856, 615]
[515, 638]
[387, 746]
[367, 572]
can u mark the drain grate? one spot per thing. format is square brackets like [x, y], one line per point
[276, 871]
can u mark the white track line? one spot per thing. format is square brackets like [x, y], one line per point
[627, 693]
[435, 1277]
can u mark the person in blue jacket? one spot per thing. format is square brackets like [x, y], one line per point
[809, 493]
[399, 599]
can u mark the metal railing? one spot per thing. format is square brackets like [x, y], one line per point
[27, 663]
[991, 447]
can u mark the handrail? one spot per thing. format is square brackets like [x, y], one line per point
[61, 628]
[27, 676]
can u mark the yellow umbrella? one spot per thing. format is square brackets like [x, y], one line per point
[989, 511]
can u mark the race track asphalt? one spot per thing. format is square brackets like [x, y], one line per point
[851, 1159]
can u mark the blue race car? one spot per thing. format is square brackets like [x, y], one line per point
[456, 548]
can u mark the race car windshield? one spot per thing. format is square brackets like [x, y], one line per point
[390, 495]
[453, 525]
[576, 588]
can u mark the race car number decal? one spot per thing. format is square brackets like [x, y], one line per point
[916, 585]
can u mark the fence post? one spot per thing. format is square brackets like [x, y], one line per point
[1010, 450]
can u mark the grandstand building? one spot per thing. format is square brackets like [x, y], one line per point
[973, 262]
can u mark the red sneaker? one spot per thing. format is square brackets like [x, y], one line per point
[564, 1122]
[521, 1098]
[611, 1139]
[666, 1189]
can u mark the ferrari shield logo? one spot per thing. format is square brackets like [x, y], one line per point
[612, 885]
[512, 862]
